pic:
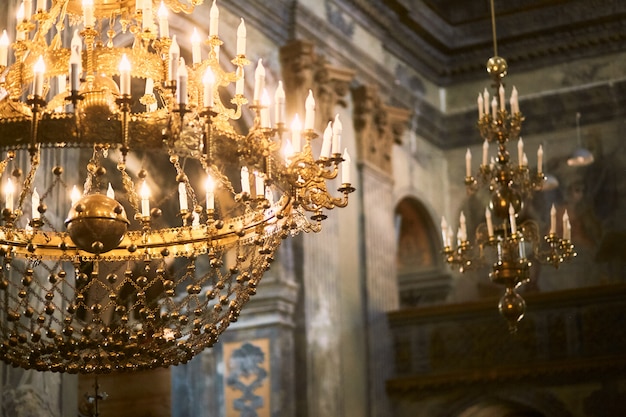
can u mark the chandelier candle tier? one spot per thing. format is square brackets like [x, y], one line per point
[173, 218]
[507, 243]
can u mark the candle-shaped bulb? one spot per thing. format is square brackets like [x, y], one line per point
[345, 168]
[209, 186]
[327, 139]
[520, 152]
[512, 219]
[489, 222]
[259, 80]
[208, 80]
[195, 47]
[181, 88]
[174, 58]
[279, 103]
[309, 115]
[214, 19]
[240, 83]
[34, 204]
[4, 49]
[74, 195]
[9, 192]
[164, 26]
[144, 193]
[245, 180]
[444, 231]
[481, 106]
[485, 152]
[124, 75]
[241, 38]
[463, 227]
[540, 160]
[20, 15]
[514, 101]
[468, 163]
[88, 13]
[182, 196]
[337, 129]
[259, 184]
[110, 192]
[501, 94]
[486, 101]
[288, 151]
[38, 71]
[553, 220]
[566, 226]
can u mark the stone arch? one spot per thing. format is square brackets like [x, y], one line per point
[422, 278]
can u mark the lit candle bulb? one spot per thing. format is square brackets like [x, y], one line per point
[337, 130]
[74, 196]
[174, 58]
[4, 49]
[485, 152]
[520, 152]
[208, 81]
[345, 168]
[88, 16]
[259, 185]
[486, 101]
[28, 9]
[110, 192]
[489, 222]
[164, 25]
[296, 134]
[512, 219]
[182, 196]
[494, 109]
[210, 193]
[481, 105]
[279, 104]
[288, 151]
[75, 61]
[245, 180]
[144, 193]
[566, 231]
[38, 71]
[309, 115]
[181, 87]
[195, 47]
[327, 139]
[540, 160]
[214, 19]
[34, 203]
[501, 93]
[514, 101]
[468, 163]
[553, 220]
[19, 16]
[463, 227]
[147, 15]
[444, 231]
[124, 76]
[259, 81]
[265, 110]
[241, 38]
[240, 83]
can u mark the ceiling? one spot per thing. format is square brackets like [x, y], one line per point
[450, 40]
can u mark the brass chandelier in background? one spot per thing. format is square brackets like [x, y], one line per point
[179, 214]
[503, 241]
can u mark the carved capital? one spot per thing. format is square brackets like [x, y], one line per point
[304, 70]
[378, 126]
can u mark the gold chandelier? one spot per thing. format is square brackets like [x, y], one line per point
[179, 215]
[508, 246]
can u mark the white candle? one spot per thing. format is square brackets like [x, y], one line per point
[345, 168]
[147, 15]
[174, 58]
[61, 89]
[259, 81]
[512, 219]
[240, 83]
[494, 109]
[19, 16]
[296, 131]
[486, 101]
[540, 160]
[210, 193]
[279, 104]
[489, 222]
[38, 69]
[553, 220]
[34, 204]
[245, 180]
[468, 163]
[525, 160]
[195, 47]
[462, 227]
[241, 38]
[259, 185]
[144, 193]
[309, 115]
[88, 16]
[337, 129]
[288, 151]
[444, 231]
[164, 25]
[265, 110]
[4, 48]
[566, 226]
[41, 5]
[28, 9]
[74, 196]
[480, 106]
[75, 61]
[501, 93]
[110, 192]
[514, 101]
[208, 81]
[520, 152]
[181, 88]
[182, 196]
[214, 19]
[124, 75]
[327, 141]
[485, 152]
[9, 191]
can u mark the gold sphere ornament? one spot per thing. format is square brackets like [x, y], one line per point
[497, 67]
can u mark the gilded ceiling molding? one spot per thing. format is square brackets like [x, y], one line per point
[304, 70]
[378, 126]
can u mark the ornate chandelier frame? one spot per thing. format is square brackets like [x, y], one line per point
[117, 292]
